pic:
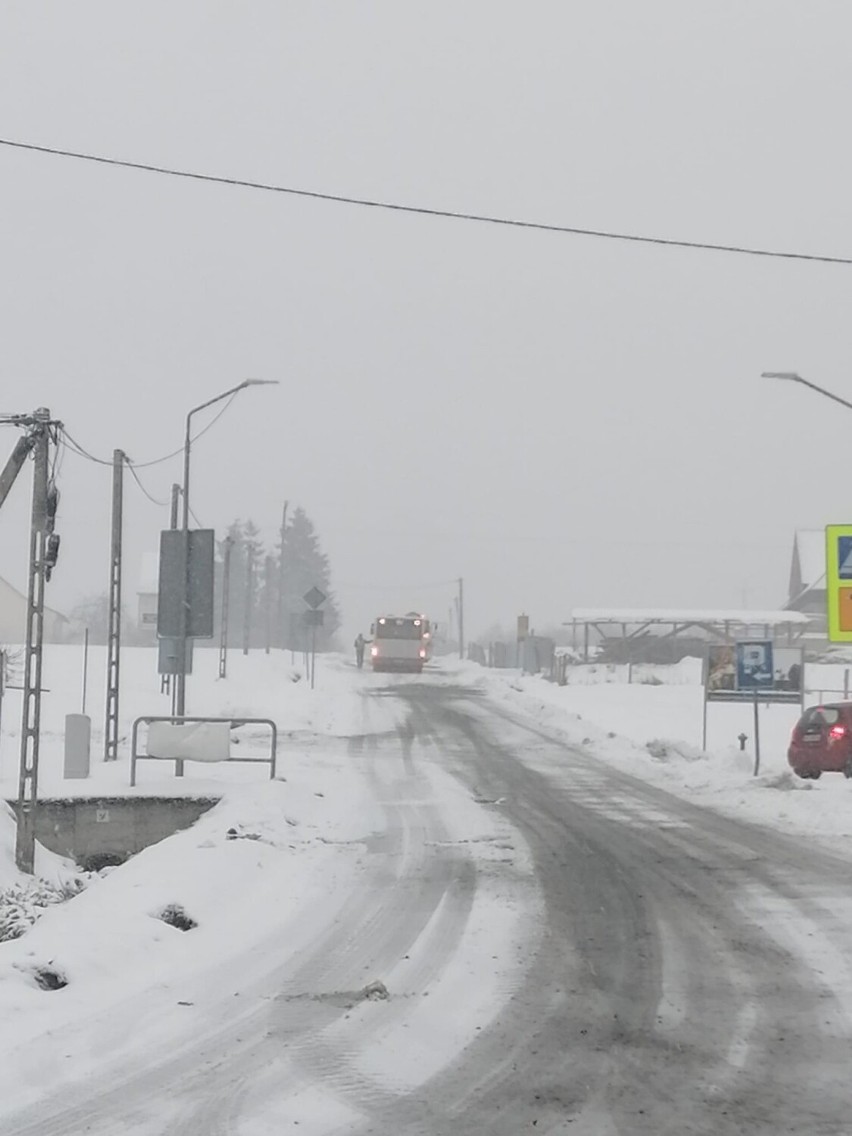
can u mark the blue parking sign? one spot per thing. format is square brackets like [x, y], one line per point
[754, 665]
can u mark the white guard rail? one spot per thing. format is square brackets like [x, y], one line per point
[196, 739]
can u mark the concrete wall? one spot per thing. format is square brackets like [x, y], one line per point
[88, 828]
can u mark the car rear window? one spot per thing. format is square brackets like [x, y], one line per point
[820, 716]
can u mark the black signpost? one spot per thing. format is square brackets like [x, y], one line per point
[753, 671]
[314, 618]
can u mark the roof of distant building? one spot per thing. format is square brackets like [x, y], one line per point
[810, 547]
[734, 616]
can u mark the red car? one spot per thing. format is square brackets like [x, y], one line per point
[822, 741]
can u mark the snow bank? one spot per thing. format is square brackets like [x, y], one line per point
[249, 871]
[654, 732]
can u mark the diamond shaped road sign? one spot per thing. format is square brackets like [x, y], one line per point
[314, 598]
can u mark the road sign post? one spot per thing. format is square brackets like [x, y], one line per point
[753, 671]
[314, 618]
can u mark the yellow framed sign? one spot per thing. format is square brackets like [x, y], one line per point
[838, 582]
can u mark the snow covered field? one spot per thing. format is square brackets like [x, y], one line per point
[278, 862]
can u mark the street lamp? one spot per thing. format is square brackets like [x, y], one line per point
[793, 377]
[180, 707]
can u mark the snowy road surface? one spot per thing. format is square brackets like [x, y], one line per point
[567, 949]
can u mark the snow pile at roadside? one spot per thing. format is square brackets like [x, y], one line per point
[25, 898]
[274, 686]
[721, 778]
[48, 866]
[246, 874]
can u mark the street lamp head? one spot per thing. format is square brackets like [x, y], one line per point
[790, 376]
[261, 383]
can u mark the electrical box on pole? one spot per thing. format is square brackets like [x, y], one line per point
[199, 615]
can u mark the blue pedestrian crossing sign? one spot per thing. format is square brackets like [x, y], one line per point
[844, 558]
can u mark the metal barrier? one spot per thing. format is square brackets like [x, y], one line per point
[235, 723]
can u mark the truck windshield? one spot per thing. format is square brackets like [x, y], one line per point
[388, 628]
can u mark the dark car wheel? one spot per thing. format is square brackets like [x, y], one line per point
[847, 768]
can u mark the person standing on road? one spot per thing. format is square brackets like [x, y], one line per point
[360, 643]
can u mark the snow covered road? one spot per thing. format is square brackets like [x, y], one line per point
[567, 948]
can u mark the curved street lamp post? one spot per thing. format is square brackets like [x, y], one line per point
[180, 707]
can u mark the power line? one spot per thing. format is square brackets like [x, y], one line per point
[425, 211]
[151, 498]
[395, 587]
[77, 449]
[194, 438]
[84, 453]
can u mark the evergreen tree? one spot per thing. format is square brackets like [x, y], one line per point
[252, 585]
[275, 587]
[301, 565]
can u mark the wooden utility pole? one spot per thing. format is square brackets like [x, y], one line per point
[114, 614]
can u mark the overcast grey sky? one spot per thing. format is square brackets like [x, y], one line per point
[564, 421]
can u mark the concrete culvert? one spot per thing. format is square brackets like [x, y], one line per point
[175, 916]
[49, 979]
[100, 860]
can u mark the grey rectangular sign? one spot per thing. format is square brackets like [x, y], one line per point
[200, 583]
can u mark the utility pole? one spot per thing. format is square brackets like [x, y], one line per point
[173, 521]
[114, 616]
[226, 607]
[282, 579]
[461, 618]
[183, 624]
[247, 614]
[268, 573]
[168, 682]
[31, 717]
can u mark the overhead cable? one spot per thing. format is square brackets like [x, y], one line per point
[151, 498]
[425, 211]
[84, 453]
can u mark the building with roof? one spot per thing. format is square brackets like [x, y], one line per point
[807, 572]
[807, 589]
[665, 635]
[147, 597]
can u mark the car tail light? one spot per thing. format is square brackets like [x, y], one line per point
[373, 652]
[837, 732]
[422, 653]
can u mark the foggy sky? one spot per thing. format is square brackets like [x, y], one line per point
[563, 421]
